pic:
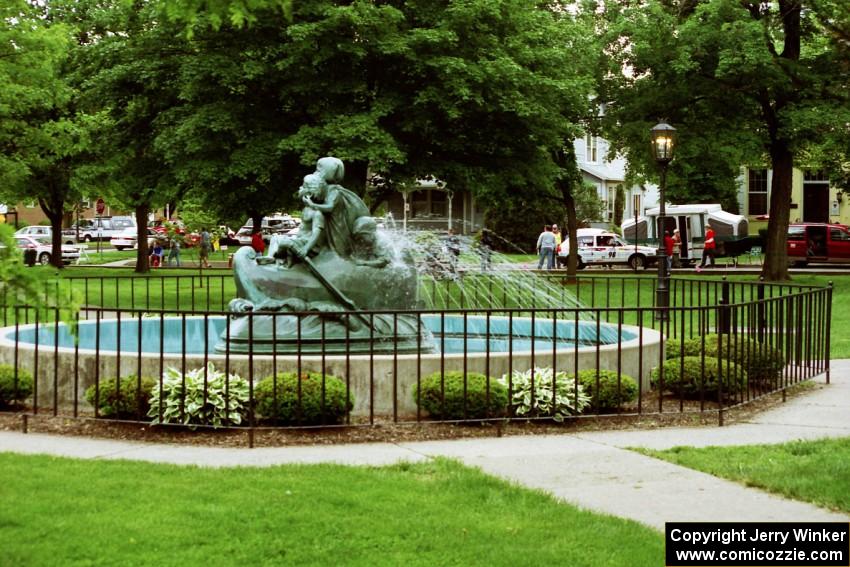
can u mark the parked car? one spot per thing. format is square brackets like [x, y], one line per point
[38, 231]
[810, 243]
[44, 249]
[600, 247]
[273, 224]
[100, 228]
[128, 238]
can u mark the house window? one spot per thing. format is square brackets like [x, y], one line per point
[438, 204]
[757, 194]
[591, 149]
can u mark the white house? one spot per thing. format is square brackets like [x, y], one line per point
[607, 175]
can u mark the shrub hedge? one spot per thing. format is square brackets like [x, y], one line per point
[128, 401]
[14, 390]
[444, 399]
[698, 379]
[612, 392]
[277, 399]
[762, 361]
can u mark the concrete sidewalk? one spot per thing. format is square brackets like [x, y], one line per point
[592, 470]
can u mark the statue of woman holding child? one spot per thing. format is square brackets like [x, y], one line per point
[308, 291]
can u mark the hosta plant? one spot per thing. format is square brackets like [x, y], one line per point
[201, 397]
[543, 393]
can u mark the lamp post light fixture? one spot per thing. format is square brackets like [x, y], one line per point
[663, 148]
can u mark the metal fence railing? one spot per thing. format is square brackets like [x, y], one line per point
[165, 349]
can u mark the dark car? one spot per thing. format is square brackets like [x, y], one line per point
[815, 243]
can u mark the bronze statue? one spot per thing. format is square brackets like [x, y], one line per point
[323, 279]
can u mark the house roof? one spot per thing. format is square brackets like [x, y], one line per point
[602, 172]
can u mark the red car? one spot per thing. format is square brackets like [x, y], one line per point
[818, 243]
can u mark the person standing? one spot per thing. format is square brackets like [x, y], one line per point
[206, 246]
[174, 250]
[257, 242]
[709, 250]
[485, 249]
[558, 237]
[669, 243]
[546, 248]
[677, 249]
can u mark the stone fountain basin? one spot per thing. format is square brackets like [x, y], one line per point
[381, 384]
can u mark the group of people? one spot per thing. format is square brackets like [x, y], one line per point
[547, 244]
[673, 249]
[157, 254]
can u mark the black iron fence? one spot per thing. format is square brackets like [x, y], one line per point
[166, 350]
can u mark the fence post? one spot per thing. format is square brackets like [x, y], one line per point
[724, 312]
[761, 319]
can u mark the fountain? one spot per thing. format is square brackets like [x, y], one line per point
[379, 308]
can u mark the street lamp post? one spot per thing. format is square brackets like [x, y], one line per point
[663, 146]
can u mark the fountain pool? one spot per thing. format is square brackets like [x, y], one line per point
[381, 384]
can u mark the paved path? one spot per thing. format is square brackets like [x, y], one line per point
[592, 470]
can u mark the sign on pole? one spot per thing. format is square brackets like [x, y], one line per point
[100, 206]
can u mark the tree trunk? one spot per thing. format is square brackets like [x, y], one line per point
[776, 256]
[572, 229]
[53, 210]
[142, 266]
[257, 221]
[355, 177]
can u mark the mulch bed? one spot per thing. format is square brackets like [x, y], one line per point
[686, 413]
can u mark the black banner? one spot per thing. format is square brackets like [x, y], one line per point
[757, 544]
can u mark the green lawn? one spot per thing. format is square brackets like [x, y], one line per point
[812, 471]
[59, 511]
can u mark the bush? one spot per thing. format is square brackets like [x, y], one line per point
[673, 348]
[697, 379]
[613, 391]
[762, 361]
[444, 399]
[14, 390]
[538, 400]
[219, 400]
[127, 402]
[282, 404]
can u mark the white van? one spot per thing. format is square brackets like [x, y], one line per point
[603, 248]
[730, 230]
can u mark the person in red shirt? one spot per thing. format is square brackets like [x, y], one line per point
[709, 250]
[668, 249]
[257, 242]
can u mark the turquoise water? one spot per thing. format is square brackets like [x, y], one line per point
[168, 335]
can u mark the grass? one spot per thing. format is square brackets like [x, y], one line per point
[812, 471]
[59, 511]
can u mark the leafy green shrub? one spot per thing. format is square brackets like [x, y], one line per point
[127, 402]
[218, 400]
[537, 400]
[673, 348]
[277, 399]
[14, 390]
[762, 361]
[697, 378]
[613, 391]
[444, 399]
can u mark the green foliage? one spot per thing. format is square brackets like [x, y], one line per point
[14, 388]
[204, 396]
[323, 399]
[694, 377]
[613, 390]
[451, 396]
[619, 205]
[762, 361]
[541, 393]
[128, 401]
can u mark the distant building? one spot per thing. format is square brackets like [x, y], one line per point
[431, 205]
[812, 197]
[607, 175]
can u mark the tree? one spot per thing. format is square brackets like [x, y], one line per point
[746, 80]
[43, 136]
[129, 77]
